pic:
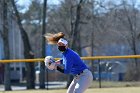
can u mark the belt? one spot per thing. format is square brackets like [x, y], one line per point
[81, 72]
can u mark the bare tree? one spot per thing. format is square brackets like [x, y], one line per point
[76, 33]
[7, 82]
[28, 54]
[129, 20]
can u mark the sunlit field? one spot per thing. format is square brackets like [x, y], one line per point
[91, 90]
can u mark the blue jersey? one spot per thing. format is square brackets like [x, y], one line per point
[72, 62]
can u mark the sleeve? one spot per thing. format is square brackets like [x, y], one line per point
[60, 69]
[68, 64]
[61, 60]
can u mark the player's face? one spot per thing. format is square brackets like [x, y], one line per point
[62, 47]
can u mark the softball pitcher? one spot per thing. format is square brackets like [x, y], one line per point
[72, 65]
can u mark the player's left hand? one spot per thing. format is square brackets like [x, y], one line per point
[52, 66]
[49, 62]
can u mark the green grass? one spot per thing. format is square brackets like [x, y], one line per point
[91, 90]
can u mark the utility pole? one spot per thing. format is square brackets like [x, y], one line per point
[42, 70]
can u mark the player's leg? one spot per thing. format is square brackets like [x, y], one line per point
[72, 86]
[84, 82]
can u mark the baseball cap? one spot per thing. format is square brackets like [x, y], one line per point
[62, 40]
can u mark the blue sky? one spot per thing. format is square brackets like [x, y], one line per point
[26, 3]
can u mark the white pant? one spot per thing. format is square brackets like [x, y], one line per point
[81, 82]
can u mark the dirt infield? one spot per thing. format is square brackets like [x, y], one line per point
[91, 90]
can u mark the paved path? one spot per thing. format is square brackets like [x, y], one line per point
[51, 85]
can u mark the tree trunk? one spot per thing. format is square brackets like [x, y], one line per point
[92, 36]
[28, 54]
[7, 82]
[75, 38]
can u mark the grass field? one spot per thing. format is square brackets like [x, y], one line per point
[91, 90]
[109, 84]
